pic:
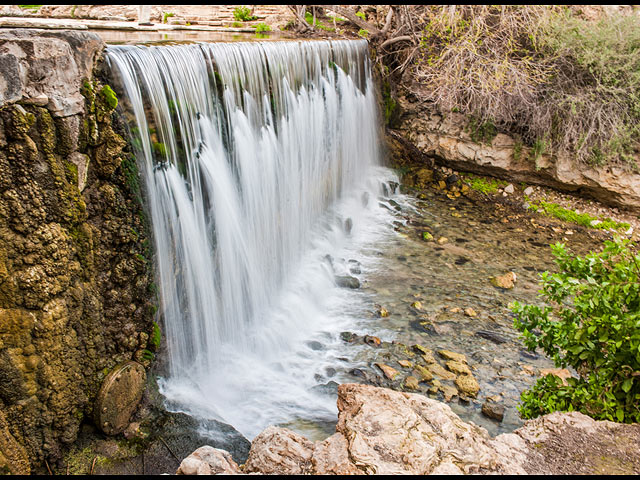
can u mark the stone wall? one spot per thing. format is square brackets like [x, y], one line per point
[447, 138]
[75, 275]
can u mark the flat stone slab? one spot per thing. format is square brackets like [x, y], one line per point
[119, 397]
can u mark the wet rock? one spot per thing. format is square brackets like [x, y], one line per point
[493, 410]
[348, 226]
[389, 372]
[492, 336]
[458, 367]
[329, 388]
[422, 350]
[381, 311]
[506, 281]
[348, 336]
[451, 180]
[417, 305]
[119, 397]
[423, 373]
[528, 354]
[468, 385]
[470, 312]
[405, 363]
[207, 460]
[449, 355]
[411, 383]
[439, 371]
[442, 240]
[315, 345]
[347, 281]
[449, 392]
[355, 267]
[356, 372]
[371, 340]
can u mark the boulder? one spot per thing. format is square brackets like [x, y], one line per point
[207, 460]
[385, 432]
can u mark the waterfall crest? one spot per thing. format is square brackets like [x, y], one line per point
[246, 151]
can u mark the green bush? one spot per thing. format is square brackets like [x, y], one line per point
[262, 27]
[590, 323]
[243, 14]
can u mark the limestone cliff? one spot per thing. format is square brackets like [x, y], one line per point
[75, 269]
[453, 140]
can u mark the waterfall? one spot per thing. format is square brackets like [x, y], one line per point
[251, 153]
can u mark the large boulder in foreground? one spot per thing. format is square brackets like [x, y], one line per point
[381, 431]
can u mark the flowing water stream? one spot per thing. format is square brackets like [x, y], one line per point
[261, 166]
[264, 183]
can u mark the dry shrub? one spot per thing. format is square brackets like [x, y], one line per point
[538, 71]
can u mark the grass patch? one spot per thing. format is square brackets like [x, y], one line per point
[554, 210]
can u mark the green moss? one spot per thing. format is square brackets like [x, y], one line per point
[390, 105]
[109, 97]
[554, 210]
[484, 185]
[71, 172]
[155, 337]
[160, 149]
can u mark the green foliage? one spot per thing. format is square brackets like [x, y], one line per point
[166, 15]
[155, 337]
[243, 14]
[109, 97]
[481, 132]
[554, 210]
[34, 8]
[591, 323]
[363, 33]
[362, 15]
[262, 27]
[390, 105]
[308, 16]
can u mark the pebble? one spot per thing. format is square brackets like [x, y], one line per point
[470, 312]
[528, 191]
[493, 410]
[509, 189]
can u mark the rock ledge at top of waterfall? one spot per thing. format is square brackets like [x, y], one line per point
[381, 431]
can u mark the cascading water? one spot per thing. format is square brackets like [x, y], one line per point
[258, 161]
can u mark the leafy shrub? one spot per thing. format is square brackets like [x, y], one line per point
[243, 14]
[591, 323]
[262, 27]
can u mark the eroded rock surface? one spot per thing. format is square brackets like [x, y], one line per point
[75, 297]
[381, 431]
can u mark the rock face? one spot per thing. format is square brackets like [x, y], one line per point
[208, 461]
[445, 137]
[74, 266]
[382, 431]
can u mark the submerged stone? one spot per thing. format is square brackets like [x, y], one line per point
[347, 281]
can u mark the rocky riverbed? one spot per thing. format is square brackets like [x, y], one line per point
[439, 321]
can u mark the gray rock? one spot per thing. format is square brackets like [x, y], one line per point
[347, 281]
